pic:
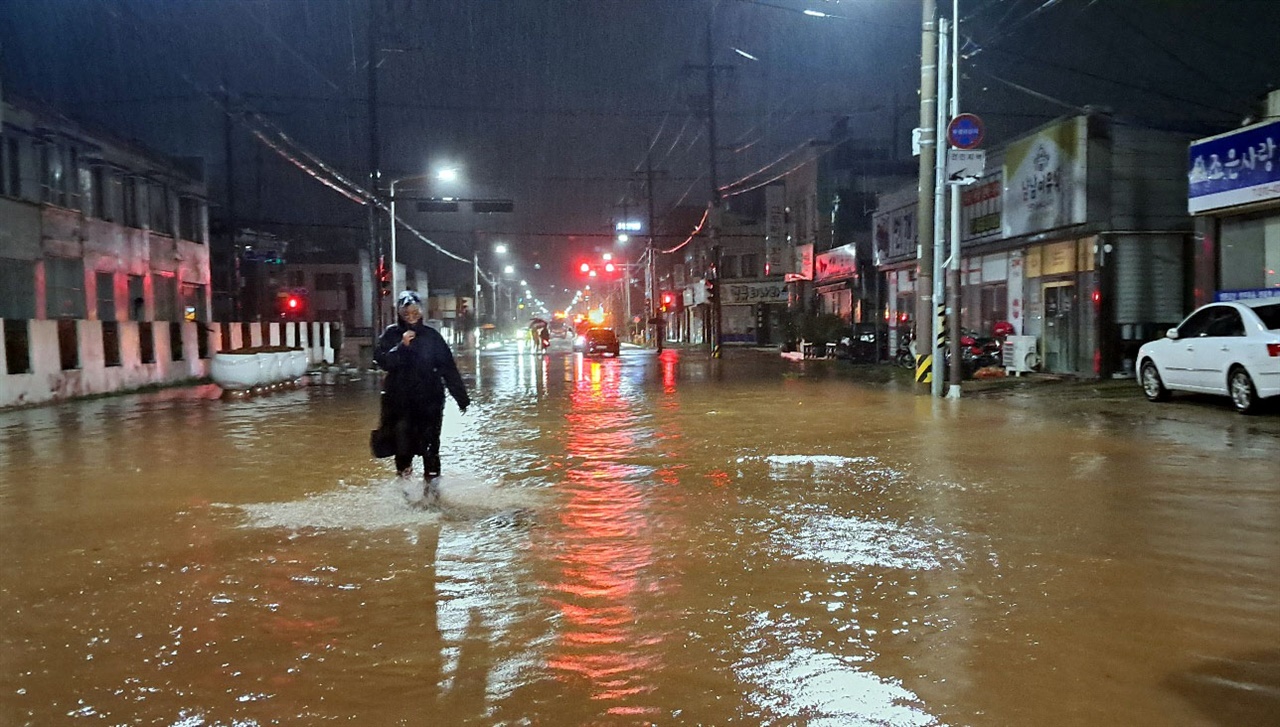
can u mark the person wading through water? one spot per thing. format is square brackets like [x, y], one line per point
[419, 368]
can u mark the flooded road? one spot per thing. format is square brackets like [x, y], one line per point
[649, 540]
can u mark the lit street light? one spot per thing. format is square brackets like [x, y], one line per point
[443, 175]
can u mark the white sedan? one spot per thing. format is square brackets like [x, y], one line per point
[1221, 348]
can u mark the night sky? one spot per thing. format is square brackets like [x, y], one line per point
[555, 103]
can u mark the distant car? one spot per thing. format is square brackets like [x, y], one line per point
[1231, 349]
[597, 340]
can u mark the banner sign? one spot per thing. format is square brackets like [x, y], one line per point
[802, 264]
[1235, 168]
[751, 293]
[1044, 177]
[836, 264]
[980, 208]
[895, 234]
[1226, 296]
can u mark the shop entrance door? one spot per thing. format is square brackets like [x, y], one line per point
[1060, 321]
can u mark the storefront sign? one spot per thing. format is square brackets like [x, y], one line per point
[1235, 168]
[836, 264]
[895, 234]
[1015, 291]
[802, 264]
[1058, 258]
[1223, 296]
[750, 293]
[1045, 179]
[980, 207]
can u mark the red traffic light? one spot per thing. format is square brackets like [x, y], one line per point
[608, 267]
[294, 303]
[584, 268]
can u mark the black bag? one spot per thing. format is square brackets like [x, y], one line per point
[382, 443]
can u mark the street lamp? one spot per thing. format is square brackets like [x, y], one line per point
[444, 175]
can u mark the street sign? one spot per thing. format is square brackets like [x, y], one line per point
[917, 141]
[965, 166]
[965, 131]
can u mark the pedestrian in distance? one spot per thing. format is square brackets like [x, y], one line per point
[419, 368]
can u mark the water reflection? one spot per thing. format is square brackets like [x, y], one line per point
[604, 557]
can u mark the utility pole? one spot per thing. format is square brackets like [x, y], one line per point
[937, 345]
[375, 173]
[651, 269]
[924, 195]
[236, 289]
[714, 212]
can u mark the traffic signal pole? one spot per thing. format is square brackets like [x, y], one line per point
[953, 270]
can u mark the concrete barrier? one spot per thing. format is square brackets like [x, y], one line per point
[44, 361]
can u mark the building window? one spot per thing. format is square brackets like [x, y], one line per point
[129, 200]
[728, 266]
[159, 218]
[98, 192]
[146, 343]
[64, 286]
[751, 266]
[106, 285]
[175, 341]
[17, 346]
[1247, 246]
[189, 218]
[137, 298]
[110, 343]
[68, 345]
[193, 303]
[202, 341]
[10, 167]
[113, 195]
[17, 288]
[164, 294]
[994, 306]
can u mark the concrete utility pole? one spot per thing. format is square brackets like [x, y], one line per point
[375, 173]
[714, 213]
[237, 300]
[937, 346]
[924, 209]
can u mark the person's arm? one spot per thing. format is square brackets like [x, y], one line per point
[448, 370]
[389, 354]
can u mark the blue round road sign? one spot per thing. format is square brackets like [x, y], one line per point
[965, 131]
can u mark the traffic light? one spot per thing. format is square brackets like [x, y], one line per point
[291, 303]
[668, 302]
[713, 291]
[384, 277]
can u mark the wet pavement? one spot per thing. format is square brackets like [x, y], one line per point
[649, 540]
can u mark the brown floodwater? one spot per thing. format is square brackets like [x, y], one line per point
[650, 540]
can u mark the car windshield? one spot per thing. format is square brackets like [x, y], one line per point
[1270, 315]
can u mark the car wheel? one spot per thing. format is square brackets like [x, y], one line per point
[1243, 395]
[1152, 386]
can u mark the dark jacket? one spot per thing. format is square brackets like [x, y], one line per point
[418, 374]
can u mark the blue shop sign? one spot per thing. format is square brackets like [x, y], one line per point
[1227, 296]
[1235, 168]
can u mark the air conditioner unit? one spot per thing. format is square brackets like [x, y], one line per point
[1020, 355]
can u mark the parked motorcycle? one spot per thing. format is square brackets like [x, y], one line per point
[905, 355]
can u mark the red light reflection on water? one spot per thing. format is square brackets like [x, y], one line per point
[604, 554]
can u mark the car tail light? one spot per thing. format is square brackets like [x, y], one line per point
[1273, 350]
